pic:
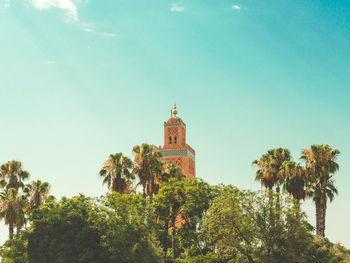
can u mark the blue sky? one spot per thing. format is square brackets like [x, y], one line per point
[82, 79]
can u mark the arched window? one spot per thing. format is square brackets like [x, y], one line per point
[175, 140]
[170, 140]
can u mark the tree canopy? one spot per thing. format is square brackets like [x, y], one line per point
[174, 218]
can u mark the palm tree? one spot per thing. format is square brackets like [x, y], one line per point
[10, 209]
[294, 179]
[37, 191]
[277, 158]
[148, 166]
[269, 174]
[12, 175]
[264, 176]
[23, 205]
[320, 161]
[295, 183]
[269, 168]
[171, 171]
[116, 173]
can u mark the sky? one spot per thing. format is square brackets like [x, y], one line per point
[80, 79]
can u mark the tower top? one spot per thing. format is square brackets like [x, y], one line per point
[174, 119]
[175, 110]
[175, 149]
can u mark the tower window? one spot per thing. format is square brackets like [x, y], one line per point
[170, 140]
[175, 140]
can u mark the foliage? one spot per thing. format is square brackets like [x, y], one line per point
[229, 222]
[148, 166]
[127, 234]
[60, 232]
[37, 191]
[181, 220]
[179, 206]
[269, 167]
[15, 250]
[80, 229]
[295, 179]
[171, 171]
[12, 204]
[18, 199]
[215, 224]
[237, 228]
[315, 180]
[12, 175]
[116, 173]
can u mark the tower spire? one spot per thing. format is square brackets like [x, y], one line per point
[175, 110]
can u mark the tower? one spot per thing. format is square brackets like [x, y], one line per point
[175, 149]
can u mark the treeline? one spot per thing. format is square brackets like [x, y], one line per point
[173, 219]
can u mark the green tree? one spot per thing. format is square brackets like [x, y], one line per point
[321, 250]
[127, 224]
[168, 204]
[321, 165]
[60, 232]
[237, 228]
[180, 205]
[15, 250]
[148, 166]
[229, 227]
[116, 173]
[80, 229]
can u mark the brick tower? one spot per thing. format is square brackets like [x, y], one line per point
[175, 149]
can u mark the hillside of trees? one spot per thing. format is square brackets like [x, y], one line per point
[152, 213]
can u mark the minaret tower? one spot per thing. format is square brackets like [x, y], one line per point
[175, 149]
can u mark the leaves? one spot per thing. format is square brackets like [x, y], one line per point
[12, 175]
[116, 173]
[269, 167]
[81, 229]
[148, 166]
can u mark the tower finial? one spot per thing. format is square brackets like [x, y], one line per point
[175, 110]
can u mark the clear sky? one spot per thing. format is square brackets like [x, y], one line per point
[82, 79]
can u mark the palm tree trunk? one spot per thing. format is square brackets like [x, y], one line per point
[318, 217]
[10, 230]
[278, 201]
[296, 204]
[322, 224]
[272, 217]
[119, 184]
[144, 191]
[173, 242]
[166, 233]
